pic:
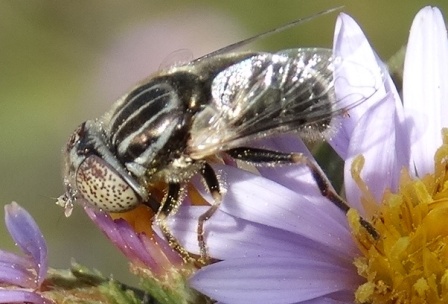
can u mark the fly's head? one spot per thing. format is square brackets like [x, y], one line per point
[94, 176]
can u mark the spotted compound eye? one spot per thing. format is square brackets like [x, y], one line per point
[102, 186]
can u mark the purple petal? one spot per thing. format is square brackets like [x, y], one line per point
[147, 251]
[107, 225]
[298, 178]
[263, 201]
[425, 87]
[12, 274]
[283, 281]
[21, 296]
[228, 237]
[28, 237]
[11, 258]
[347, 299]
[133, 243]
[153, 253]
[121, 235]
[294, 176]
[359, 77]
[375, 137]
[165, 256]
[320, 300]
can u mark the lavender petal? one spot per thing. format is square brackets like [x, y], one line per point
[228, 237]
[262, 201]
[359, 78]
[13, 259]
[425, 87]
[375, 138]
[21, 296]
[12, 274]
[28, 237]
[285, 281]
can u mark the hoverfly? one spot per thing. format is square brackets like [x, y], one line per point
[168, 129]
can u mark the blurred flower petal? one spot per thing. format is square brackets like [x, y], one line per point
[21, 296]
[11, 274]
[28, 237]
[13, 259]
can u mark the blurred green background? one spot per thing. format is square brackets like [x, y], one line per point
[62, 62]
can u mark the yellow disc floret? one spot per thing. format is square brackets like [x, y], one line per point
[409, 262]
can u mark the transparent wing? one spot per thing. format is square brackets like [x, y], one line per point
[176, 58]
[266, 94]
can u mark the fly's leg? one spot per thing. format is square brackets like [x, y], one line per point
[212, 183]
[257, 156]
[168, 207]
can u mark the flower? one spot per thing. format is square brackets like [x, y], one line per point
[407, 264]
[279, 241]
[162, 269]
[27, 279]
[21, 277]
[143, 251]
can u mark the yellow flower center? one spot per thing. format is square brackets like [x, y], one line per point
[409, 262]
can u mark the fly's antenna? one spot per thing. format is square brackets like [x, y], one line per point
[282, 28]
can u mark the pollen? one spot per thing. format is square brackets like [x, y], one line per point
[139, 218]
[409, 261]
